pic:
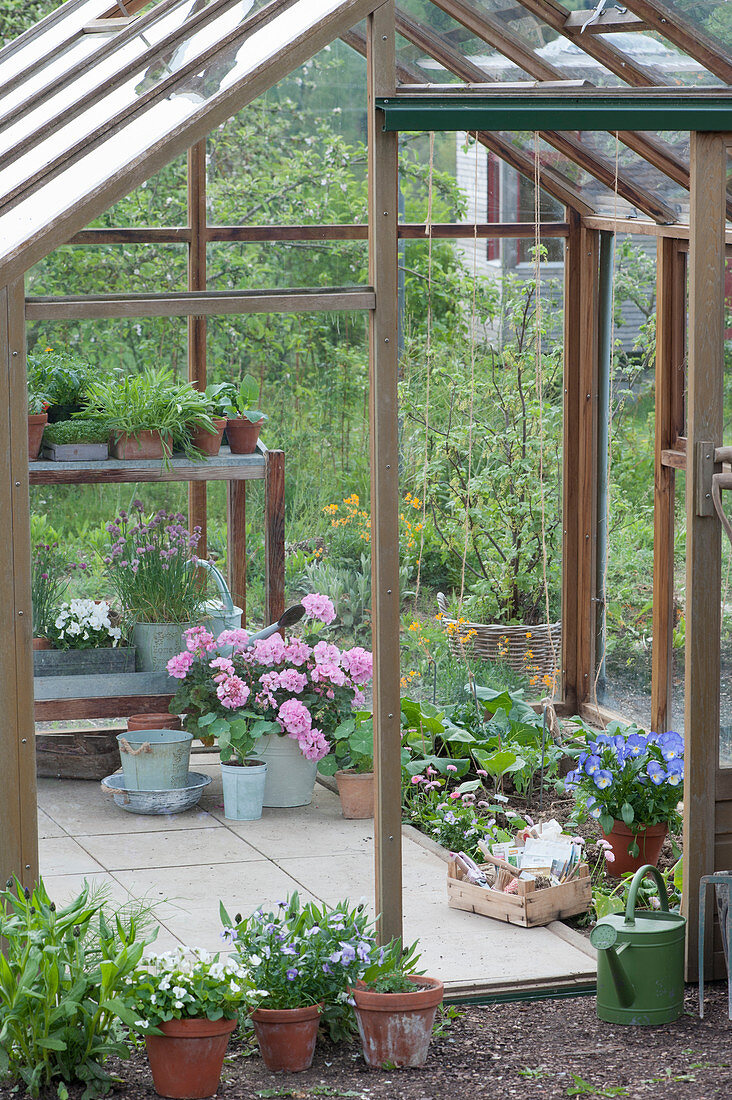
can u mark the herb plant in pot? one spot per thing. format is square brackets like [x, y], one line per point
[395, 1008]
[150, 565]
[351, 761]
[304, 958]
[187, 1006]
[631, 782]
[49, 581]
[37, 420]
[76, 440]
[244, 421]
[64, 379]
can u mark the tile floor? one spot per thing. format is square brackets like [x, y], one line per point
[186, 863]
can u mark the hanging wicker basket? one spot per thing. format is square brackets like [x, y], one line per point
[532, 650]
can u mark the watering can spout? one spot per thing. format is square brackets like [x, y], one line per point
[624, 988]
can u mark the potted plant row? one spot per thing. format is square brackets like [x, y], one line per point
[351, 761]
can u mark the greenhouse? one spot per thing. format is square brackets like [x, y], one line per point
[470, 258]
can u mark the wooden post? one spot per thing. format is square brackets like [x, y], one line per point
[703, 545]
[579, 466]
[670, 350]
[197, 325]
[274, 535]
[383, 365]
[18, 820]
[236, 537]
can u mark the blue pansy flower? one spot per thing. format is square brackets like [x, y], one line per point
[603, 779]
[656, 772]
[671, 745]
[592, 764]
[675, 772]
[636, 744]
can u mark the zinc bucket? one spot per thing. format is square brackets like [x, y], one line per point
[155, 760]
[243, 786]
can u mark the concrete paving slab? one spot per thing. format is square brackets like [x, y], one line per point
[47, 827]
[67, 857]
[175, 848]
[80, 808]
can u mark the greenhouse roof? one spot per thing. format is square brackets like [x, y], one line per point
[95, 99]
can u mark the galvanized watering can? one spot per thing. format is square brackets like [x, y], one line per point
[223, 614]
[640, 961]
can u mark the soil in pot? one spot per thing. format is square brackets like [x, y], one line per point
[650, 841]
[287, 1037]
[146, 443]
[356, 791]
[243, 435]
[36, 423]
[396, 1028]
[208, 443]
[186, 1060]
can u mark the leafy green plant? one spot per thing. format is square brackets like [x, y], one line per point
[49, 581]
[64, 975]
[180, 985]
[63, 377]
[390, 967]
[239, 401]
[37, 402]
[77, 431]
[352, 746]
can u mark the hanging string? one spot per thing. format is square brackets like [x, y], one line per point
[538, 316]
[472, 375]
[428, 363]
[599, 660]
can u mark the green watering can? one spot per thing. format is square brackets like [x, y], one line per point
[640, 961]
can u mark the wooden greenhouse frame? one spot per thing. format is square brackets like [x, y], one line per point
[688, 407]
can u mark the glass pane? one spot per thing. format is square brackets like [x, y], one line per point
[112, 269]
[107, 108]
[224, 71]
[708, 17]
[69, 20]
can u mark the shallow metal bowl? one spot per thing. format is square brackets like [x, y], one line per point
[156, 802]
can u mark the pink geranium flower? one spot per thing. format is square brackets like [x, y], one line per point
[232, 692]
[199, 640]
[319, 607]
[179, 666]
[325, 653]
[359, 663]
[292, 680]
[269, 651]
[294, 717]
[297, 652]
[237, 638]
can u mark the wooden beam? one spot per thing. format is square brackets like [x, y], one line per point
[670, 356]
[144, 235]
[247, 234]
[570, 453]
[555, 183]
[383, 170]
[196, 198]
[691, 39]
[236, 530]
[274, 536]
[201, 303]
[611, 19]
[594, 163]
[586, 473]
[703, 544]
[18, 813]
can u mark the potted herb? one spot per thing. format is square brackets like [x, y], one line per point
[351, 761]
[202, 438]
[85, 637]
[244, 421]
[301, 688]
[80, 440]
[395, 1008]
[37, 420]
[303, 958]
[147, 413]
[186, 1006]
[150, 565]
[631, 782]
[63, 378]
[49, 581]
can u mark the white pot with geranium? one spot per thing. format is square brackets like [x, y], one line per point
[279, 699]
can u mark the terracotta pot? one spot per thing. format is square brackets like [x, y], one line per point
[146, 443]
[36, 424]
[356, 790]
[208, 443]
[42, 643]
[395, 1028]
[286, 1037]
[160, 721]
[242, 435]
[186, 1059]
[650, 841]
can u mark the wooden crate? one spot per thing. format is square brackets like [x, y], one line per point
[530, 909]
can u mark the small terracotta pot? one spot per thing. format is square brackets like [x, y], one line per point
[36, 423]
[161, 721]
[356, 790]
[146, 443]
[396, 1028]
[208, 443]
[286, 1037]
[186, 1059]
[242, 435]
[42, 643]
[650, 841]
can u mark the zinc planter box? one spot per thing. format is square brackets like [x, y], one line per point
[75, 452]
[83, 662]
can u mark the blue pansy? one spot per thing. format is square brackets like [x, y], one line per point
[671, 745]
[603, 779]
[636, 744]
[656, 772]
[675, 772]
[592, 764]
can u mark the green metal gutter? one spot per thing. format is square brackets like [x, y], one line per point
[548, 994]
[532, 111]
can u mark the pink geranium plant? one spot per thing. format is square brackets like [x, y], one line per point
[299, 687]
